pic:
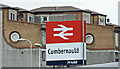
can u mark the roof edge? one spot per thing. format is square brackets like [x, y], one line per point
[26, 12]
[60, 11]
[9, 8]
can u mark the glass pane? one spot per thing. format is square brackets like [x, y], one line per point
[29, 19]
[32, 19]
[10, 16]
[43, 55]
[101, 21]
[13, 16]
[116, 39]
[45, 18]
[15, 37]
[86, 18]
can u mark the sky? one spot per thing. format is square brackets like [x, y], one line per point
[107, 7]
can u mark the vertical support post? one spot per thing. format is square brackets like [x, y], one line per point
[1, 38]
[31, 52]
[83, 39]
[53, 67]
[39, 57]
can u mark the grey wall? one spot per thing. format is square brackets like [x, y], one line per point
[119, 13]
[100, 57]
[12, 57]
[119, 61]
[0, 39]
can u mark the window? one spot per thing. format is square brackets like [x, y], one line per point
[86, 18]
[31, 19]
[45, 19]
[69, 17]
[101, 21]
[43, 56]
[62, 17]
[56, 18]
[12, 16]
[59, 17]
[14, 36]
[116, 40]
[21, 16]
[0, 16]
[37, 19]
[89, 38]
[43, 37]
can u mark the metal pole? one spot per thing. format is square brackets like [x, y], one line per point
[30, 50]
[53, 67]
[83, 40]
[39, 57]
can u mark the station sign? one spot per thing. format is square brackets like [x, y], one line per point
[65, 44]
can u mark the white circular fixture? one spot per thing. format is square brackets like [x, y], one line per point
[89, 39]
[14, 36]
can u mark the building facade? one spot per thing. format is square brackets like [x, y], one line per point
[102, 40]
[15, 25]
[95, 24]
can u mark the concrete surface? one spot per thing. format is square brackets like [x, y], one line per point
[0, 39]
[12, 57]
[119, 13]
[97, 57]
[113, 64]
[18, 57]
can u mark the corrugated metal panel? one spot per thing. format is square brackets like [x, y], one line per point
[37, 19]
[56, 18]
[69, 17]
[66, 17]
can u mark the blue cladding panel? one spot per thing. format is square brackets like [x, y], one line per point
[65, 62]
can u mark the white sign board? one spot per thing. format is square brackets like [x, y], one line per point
[64, 45]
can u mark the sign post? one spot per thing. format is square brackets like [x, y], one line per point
[65, 43]
[83, 41]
